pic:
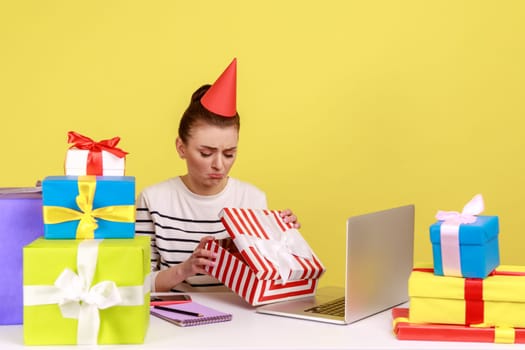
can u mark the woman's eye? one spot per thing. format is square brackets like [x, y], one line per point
[228, 155]
[205, 155]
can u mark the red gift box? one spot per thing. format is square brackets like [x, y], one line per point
[404, 330]
[268, 261]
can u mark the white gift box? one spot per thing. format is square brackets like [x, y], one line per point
[77, 163]
[268, 261]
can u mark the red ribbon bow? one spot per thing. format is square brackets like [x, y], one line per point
[94, 160]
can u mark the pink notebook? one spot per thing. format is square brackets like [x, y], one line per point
[189, 314]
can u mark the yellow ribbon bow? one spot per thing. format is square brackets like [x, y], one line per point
[87, 216]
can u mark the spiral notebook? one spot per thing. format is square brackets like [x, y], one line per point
[189, 314]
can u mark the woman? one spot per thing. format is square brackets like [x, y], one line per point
[181, 213]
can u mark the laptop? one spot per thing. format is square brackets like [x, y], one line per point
[379, 259]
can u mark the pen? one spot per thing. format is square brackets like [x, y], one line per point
[184, 312]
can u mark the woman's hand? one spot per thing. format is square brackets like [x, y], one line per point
[199, 259]
[289, 217]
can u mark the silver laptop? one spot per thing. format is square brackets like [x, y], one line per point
[379, 259]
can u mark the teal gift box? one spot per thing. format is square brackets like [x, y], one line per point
[478, 247]
[87, 207]
[92, 291]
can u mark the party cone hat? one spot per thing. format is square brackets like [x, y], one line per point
[221, 97]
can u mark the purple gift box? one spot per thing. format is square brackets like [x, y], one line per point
[20, 223]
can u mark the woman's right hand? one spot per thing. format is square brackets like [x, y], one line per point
[199, 259]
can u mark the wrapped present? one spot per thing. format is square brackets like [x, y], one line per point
[20, 223]
[498, 300]
[405, 330]
[465, 244]
[268, 259]
[88, 157]
[86, 292]
[85, 207]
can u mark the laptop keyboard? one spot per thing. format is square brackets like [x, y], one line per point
[334, 307]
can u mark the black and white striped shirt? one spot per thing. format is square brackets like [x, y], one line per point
[176, 219]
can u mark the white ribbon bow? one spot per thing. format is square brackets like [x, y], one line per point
[467, 215]
[83, 302]
[281, 246]
[281, 250]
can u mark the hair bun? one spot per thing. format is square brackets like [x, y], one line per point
[197, 95]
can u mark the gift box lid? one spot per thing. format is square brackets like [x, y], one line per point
[272, 248]
[111, 260]
[21, 192]
[99, 178]
[78, 159]
[505, 284]
[115, 190]
[106, 190]
[482, 230]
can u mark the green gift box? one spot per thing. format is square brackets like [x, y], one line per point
[86, 291]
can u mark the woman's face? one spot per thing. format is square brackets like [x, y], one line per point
[209, 153]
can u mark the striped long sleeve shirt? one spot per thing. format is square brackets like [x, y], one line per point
[176, 219]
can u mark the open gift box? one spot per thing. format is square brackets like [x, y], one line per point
[267, 260]
[92, 291]
[498, 300]
[405, 330]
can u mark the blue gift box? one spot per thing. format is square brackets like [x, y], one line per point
[478, 247]
[85, 207]
[20, 223]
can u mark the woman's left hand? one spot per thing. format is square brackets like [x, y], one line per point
[289, 217]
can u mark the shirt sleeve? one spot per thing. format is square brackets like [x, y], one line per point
[145, 226]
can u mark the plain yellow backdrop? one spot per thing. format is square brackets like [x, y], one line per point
[347, 107]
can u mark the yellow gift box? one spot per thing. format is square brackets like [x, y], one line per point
[497, 300]
[86, 292]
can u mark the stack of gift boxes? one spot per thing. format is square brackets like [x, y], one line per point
[86, 280]
[465, 295]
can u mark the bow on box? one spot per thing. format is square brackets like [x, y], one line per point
[94, 158]
[449, 232]
[77, 298]
[87, 216]
[467, 215]
[281, 247]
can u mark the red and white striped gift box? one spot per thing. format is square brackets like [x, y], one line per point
[269, 249]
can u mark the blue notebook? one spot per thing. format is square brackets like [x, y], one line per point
[189, 314]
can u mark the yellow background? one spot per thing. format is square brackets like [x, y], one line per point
[347, 107]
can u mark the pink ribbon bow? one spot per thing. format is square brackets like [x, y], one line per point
[467, 215]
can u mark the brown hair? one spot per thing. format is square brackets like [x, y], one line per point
[196, 113]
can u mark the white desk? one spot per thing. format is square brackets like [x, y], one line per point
[250, 330]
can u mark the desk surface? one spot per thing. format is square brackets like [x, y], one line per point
[250, 330]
